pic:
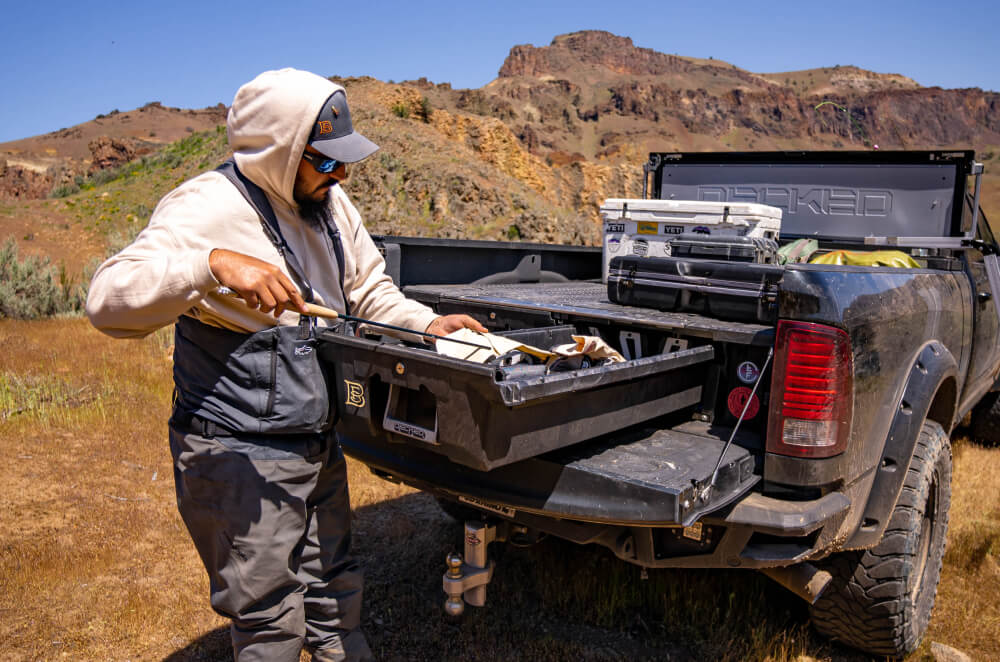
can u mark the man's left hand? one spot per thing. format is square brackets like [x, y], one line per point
[446, 324]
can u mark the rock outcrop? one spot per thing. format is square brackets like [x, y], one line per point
[108, 152]
[18, 182]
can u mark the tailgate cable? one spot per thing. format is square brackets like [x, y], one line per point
[706, 491]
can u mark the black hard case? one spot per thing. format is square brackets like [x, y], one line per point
[721, 247]
[743, 292]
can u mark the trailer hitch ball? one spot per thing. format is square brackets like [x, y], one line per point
[454, 606]
[466, 578]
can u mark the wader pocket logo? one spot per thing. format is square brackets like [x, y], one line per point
[355, 394]
[303, 350]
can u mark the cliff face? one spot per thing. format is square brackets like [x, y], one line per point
[900, 120]
[600, 84]
[603, 49]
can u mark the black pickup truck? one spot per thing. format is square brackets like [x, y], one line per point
[805, 435]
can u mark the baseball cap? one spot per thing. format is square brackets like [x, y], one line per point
[334, 136]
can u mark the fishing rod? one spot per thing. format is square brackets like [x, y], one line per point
[315, 310]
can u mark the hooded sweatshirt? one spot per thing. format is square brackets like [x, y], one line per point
[165, 272]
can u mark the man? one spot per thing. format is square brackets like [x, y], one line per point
[260, 478]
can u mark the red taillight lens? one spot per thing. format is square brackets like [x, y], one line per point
[811, 391]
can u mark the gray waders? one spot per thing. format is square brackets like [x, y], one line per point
[261, 480]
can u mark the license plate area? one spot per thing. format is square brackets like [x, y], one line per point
[411, 413]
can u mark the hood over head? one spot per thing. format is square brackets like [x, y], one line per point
[270, 124]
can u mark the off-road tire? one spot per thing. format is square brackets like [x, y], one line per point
[986, 420]
[880, 600]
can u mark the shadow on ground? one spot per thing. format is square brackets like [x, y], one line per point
[554, 601]
[212, 647]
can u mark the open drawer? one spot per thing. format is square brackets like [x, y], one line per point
[483, 418]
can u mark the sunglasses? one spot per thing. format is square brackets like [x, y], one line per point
[322, 164]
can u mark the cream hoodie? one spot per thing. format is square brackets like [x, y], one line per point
[165, 272]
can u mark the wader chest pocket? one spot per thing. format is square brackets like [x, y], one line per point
[268, 382]
[297, 398]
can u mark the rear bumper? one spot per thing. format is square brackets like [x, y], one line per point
[579, 497]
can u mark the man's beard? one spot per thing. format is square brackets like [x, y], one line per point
[314, 212]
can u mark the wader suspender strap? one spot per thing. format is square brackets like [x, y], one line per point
[258, 200]
[338, 251]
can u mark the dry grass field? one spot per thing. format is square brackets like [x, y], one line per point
[95, 563]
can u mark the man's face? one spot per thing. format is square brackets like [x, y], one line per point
[312, 186]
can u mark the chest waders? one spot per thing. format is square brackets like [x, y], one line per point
[269, 382]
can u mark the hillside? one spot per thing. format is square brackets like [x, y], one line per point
[528, 156]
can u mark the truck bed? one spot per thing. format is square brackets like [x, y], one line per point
[579, 301]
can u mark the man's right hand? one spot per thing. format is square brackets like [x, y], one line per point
[260, 284]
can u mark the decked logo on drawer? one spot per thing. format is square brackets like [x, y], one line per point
[409, 430]
[649, 228]
[355, 394]
[479, 503]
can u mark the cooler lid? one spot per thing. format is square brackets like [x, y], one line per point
[618, 207]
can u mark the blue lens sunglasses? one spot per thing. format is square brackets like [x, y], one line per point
[322, 164]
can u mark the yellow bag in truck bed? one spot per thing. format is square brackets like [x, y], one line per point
[867, 259]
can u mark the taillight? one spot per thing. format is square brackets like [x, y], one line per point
[811, 391]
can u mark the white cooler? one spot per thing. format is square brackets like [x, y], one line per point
[644, 227]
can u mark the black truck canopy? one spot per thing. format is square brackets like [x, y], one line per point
[838, 195]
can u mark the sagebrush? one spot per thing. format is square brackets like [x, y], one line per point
[34, 288]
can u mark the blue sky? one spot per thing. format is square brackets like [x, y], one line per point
[62, 63]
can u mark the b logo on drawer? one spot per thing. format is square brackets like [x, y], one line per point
[355, 393]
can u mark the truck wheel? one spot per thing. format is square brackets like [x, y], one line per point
[986, 420]
[880, 600]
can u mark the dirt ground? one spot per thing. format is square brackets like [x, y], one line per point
[47, 228]
[95, 563]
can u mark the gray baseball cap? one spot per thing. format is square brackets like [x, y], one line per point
[334, 136]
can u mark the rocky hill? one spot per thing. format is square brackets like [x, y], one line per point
[31, 167]
[593, 93]
[531, 154]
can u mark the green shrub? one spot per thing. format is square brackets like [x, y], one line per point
[33, 288]
[425, 109]
[400, 109]
[64, 190]
[107, 175]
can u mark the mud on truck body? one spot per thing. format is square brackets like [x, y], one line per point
[792, 418]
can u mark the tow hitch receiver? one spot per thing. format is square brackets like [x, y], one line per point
[466, 580]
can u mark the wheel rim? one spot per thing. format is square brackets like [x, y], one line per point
[924, 543]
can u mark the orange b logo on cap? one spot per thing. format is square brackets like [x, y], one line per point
[325, 126]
